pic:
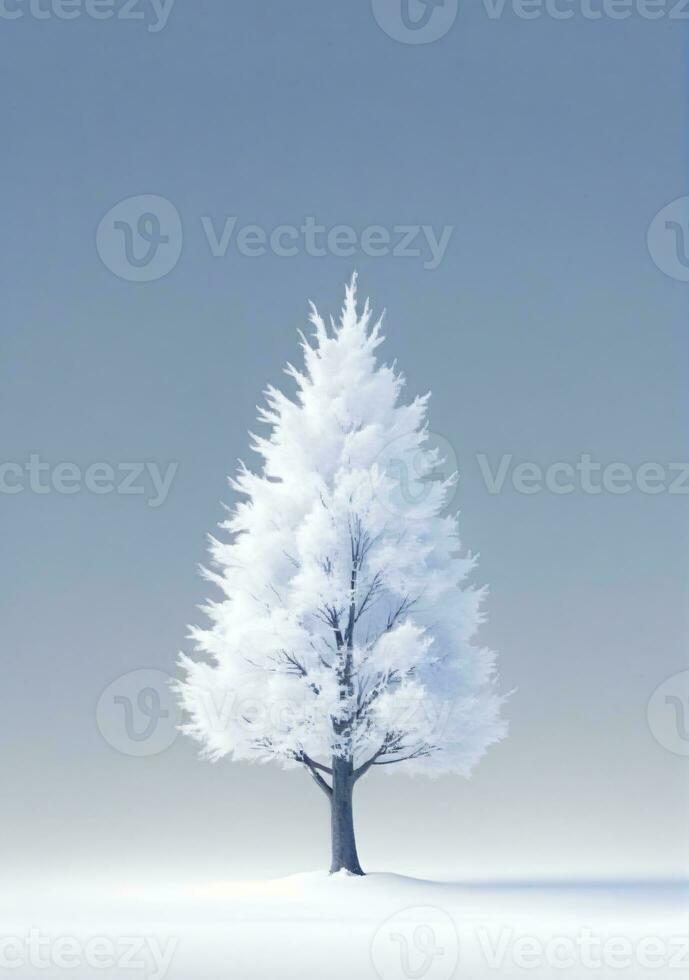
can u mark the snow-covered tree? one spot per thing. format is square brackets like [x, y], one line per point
[343, 639]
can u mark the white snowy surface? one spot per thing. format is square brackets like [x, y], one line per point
[346, 928]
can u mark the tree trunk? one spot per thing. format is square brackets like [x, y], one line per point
[344, 855]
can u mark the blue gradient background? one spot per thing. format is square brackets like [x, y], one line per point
[547, 332]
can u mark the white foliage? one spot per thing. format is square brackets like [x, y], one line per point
[343, 497]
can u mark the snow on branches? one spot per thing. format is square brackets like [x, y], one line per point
[345, 626]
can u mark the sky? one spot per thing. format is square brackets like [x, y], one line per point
[521, 162]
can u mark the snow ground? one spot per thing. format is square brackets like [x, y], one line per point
[345, 928]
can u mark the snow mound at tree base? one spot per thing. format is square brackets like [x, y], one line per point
[341, 895]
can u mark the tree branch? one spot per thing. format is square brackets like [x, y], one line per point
[362, 770]
[293, 666]
[372, 590]
[321, 783]
[307, 760]
[313, 768]
[391, 744]
[418, 754]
